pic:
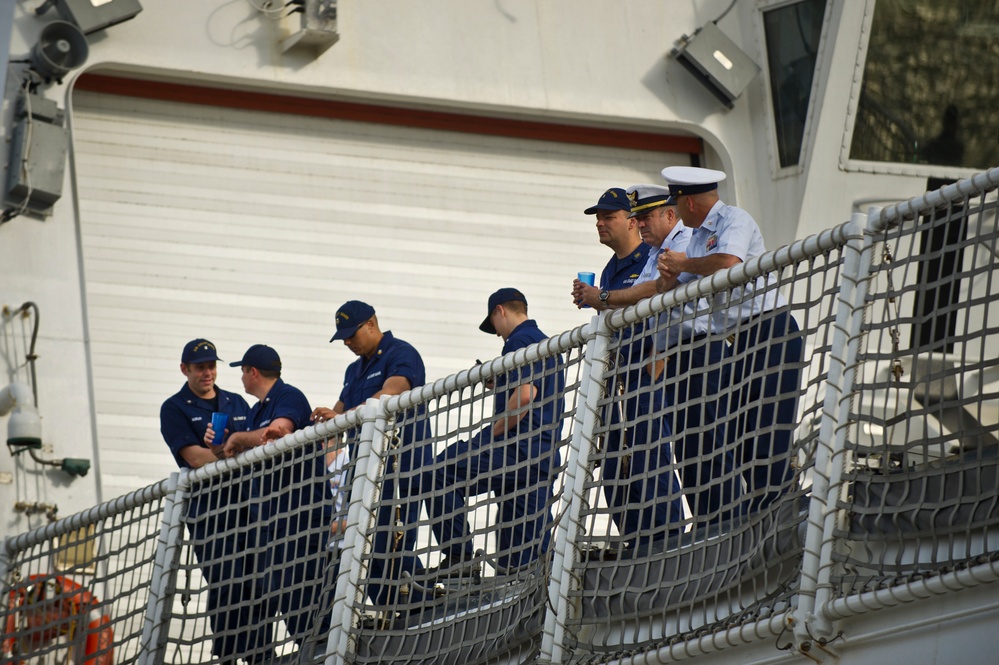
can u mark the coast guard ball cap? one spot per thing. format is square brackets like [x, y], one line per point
[686, 180]
[647, 197]
[260, 356]
[614, 198]
[198, 351]
[507, 294]
[352, 315]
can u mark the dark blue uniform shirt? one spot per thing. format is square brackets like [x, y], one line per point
[541, 427]
[283, 401]
[622, 273]
[184, 417]
[366, 376]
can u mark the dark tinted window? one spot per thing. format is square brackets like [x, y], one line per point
[792, 34]
[931, 84]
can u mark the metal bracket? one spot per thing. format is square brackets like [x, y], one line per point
[318, 28]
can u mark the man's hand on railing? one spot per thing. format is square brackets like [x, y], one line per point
[233, 446]
[321, 413]
[272, 433]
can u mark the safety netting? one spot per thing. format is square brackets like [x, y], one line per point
[770, 443]
[79, 588]
[923, 439]
[703, 441]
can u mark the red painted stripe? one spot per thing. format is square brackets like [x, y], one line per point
[388, 115]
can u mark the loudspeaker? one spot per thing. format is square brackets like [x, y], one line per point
[60, 48]
[716, 62]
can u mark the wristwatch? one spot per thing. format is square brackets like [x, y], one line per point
[604, 295]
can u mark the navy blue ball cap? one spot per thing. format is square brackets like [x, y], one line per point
[614, 198]
[198, 351]
[352, 315]
[507, 294]
[689, 180]
[260, 356]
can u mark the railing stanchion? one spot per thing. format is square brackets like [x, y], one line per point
[816, 565]
[165, 567]
[360, 523]
[566, 553]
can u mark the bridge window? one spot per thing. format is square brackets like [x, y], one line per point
[931, 85]
[792, 33]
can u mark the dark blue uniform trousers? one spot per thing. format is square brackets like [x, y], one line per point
[395, 537]
[295, 566]
[694, 376]
[224, 550]
[521, 483]
[639, 482]
[767, 365]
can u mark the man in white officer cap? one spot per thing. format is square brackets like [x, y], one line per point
[764, 349]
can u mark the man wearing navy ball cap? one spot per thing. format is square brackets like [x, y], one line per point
[619, 231]
[185, 417]
[386, 366]
[216, 515]
[514, 456]
[295, 511]
[641, 489]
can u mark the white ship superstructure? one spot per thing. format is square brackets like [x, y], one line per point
[235, 169]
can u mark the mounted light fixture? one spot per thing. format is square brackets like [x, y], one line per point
[24, 430]
[91, 16]
[714, 60]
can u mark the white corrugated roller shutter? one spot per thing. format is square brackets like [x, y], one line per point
[246, 227]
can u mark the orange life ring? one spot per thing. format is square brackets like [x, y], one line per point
[51, 606]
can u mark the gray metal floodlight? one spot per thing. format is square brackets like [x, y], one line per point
[714, 59]
[88, 16]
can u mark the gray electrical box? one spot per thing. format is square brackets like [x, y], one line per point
[318, 29]
[717, 62]
[38, 147]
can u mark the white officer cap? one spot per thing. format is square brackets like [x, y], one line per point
[646, 197]
[686, 180]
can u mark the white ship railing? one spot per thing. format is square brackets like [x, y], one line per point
[891, 494]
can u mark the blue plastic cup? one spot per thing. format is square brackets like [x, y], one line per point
[219, 421]
[586, 278]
